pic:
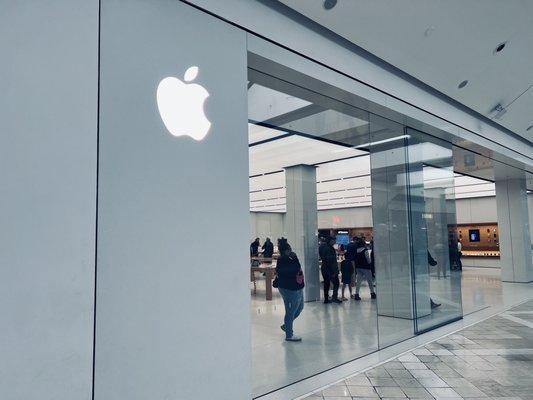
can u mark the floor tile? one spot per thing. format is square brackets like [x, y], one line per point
[336, 391]
[358, 380]
[390, 392]
[443, 392]
[417, 393]
[383, 381]
[362, 391]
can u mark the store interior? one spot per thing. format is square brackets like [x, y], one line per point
[341, 148]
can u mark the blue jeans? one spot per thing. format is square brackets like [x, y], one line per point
[294, 304]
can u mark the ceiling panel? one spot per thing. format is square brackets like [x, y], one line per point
[443, 43]
[293, 150]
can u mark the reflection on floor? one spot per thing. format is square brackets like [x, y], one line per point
[489, 360]
[334, 334]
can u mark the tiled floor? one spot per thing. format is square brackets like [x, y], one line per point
[338, 334]
[492, 359]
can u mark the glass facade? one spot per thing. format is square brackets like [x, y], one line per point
[329, 178]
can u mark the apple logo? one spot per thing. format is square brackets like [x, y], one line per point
[181, 105]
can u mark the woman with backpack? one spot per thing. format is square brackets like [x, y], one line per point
[290, 283]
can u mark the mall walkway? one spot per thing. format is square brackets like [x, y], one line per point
[491, 359]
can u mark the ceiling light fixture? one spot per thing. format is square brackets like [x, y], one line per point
[498, 111]
[499, 48]
[329, 4]
[463, 84]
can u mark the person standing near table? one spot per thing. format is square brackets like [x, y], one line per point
[330, 270]
[290, 283]
[254, 248]
[268, 248]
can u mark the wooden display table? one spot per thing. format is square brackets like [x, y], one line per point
[265, 267]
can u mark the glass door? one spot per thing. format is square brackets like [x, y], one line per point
[433, 241]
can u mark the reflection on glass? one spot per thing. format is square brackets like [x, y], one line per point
[358, 198]
[390, 210]
[307, 158]
[434, 243]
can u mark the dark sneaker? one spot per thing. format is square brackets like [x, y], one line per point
[327, 301]
[336, 301]
[373, 295]
[294, 338]
[357, 297]
[433, 304]
[283, 327]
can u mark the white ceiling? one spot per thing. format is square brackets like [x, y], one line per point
[443, 43]
[340, 183]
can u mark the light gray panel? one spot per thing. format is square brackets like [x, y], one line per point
[173, 283]
[463, 207]
[48, 102]
[355, 217]
[514, 230]
[483, 209]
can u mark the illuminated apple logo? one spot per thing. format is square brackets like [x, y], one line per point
[181, 105]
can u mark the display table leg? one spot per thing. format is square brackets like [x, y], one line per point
[268, 282]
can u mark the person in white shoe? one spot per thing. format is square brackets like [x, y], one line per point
[363, 269]
[290, 283]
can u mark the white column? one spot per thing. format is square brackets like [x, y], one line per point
[301, 224]
[514, 230]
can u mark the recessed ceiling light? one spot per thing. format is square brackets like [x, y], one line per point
[329, 4]
[463, 84]
[499, 48]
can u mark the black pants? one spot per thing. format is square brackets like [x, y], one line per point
[329, 278]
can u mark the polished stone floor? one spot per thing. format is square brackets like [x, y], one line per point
[492, 359]
[336, 334]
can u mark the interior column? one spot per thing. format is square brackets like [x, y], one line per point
[301, 224]
[514, 230]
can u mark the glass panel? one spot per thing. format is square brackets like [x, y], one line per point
[434, 247]
[390, 210]
[309, 173]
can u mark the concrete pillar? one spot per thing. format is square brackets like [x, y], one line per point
[301, 224]
[514, 229]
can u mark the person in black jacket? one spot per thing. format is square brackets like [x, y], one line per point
[268, 248]
[254, 248]
[290, 283]
[363, 269]
[330, 270]
[348, 266]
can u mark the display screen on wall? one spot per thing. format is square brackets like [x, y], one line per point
[343, 238]
[473, 235]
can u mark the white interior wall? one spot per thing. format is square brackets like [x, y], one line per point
[476, 210]
[48, 114]
[266, 224]
[472, 210]
[530, 207]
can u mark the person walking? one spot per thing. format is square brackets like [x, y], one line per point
[290, 283]
[330, 270]
[363, 269]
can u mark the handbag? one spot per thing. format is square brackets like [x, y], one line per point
[300, 277]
